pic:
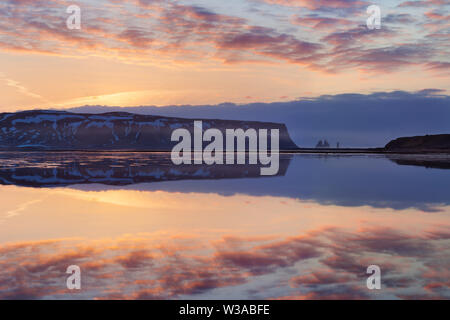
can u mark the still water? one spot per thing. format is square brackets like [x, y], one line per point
[141, 228]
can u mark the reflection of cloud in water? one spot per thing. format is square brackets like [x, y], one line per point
[22, 207]
[325, 263]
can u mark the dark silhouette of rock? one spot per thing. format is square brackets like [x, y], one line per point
[420, 143]
[59, 130]
[322, 144]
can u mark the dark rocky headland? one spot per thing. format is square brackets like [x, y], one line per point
[439, 142]
[117, 131]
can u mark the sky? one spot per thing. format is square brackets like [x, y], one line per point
[198, 52]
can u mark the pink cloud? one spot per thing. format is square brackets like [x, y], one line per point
[317, 4]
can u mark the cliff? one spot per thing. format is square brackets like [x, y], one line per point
[420, 143]
[117, 131]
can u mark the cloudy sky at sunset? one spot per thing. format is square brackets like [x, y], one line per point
[164, 52]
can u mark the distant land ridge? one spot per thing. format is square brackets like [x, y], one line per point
[121, 131]
[420, 143]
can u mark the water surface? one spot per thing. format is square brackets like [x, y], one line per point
[141, 228]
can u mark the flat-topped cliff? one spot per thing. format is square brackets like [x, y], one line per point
[59, 130]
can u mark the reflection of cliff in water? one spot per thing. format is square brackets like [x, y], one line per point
[64, 169]
[438, 161]
[343, 180]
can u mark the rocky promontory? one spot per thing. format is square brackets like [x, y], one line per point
[115, 131]
[439, 142]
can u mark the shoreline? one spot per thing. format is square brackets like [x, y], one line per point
[293, 151]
